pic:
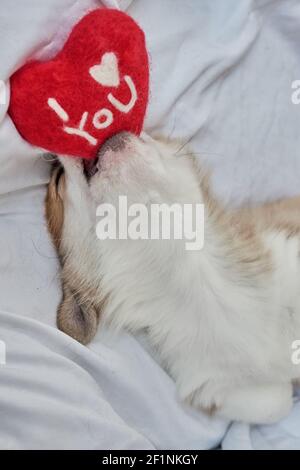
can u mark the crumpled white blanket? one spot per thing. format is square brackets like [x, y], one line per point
[221, 76]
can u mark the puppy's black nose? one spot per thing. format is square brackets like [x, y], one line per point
[116, 143]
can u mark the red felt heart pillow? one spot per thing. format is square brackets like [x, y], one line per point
[95, 87]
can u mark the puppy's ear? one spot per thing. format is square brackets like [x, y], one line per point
[76, 318]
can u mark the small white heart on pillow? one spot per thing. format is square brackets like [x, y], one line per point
[107, 72]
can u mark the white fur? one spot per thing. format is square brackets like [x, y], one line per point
[225, 337]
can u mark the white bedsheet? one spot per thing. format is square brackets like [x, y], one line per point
[221, 75]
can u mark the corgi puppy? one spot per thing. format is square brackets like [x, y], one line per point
[222, 319]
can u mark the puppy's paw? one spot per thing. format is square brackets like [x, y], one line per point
[205, 398]
[259, 404]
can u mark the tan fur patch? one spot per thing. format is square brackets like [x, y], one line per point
[54, 207]
[240, 234]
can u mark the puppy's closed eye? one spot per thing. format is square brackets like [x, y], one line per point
[57, 176]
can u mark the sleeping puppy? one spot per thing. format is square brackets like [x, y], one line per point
[223, 318]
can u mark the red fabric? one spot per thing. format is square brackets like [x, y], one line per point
[67, 79]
